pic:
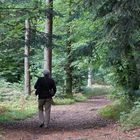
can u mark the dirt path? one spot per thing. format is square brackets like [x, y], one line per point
[79, 121]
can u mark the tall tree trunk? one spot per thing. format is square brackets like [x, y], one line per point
[27, 88]
[68, 67]
[48, 32]
[132, 72]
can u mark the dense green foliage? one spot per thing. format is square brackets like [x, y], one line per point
[13, 15]
[121, 37]
[131, 119]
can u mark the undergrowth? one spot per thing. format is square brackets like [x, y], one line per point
[67, 101]
[14, 105]
[124, 111]
[15, 110]
[96, 90]
[114, 110]
[131, 119]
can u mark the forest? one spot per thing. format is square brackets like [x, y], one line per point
[90, 47]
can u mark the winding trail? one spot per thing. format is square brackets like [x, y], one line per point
[79, 121]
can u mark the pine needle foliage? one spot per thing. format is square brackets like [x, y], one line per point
[121, 36]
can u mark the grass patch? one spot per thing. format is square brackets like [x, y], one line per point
[80, 97]
[111, 111]
[16, 115]
[86, 93]
[16, 110]
[63, 101]
[96, 90]
[114, 110]
[67, 101]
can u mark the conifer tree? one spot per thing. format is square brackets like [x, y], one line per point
[121, 32]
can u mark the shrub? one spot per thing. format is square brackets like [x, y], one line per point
[79, 97]
[131, 119]
[9, 91]
[114, 110]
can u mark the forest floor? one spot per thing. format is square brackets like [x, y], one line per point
[79, 121]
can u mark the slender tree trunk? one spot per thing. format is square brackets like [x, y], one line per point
[27, 88]
[68, 67]
[89, 84]
[69, 83]
[48, 32]
[68, 70]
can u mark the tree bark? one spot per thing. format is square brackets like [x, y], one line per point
[27, 88]
[48, 32]
[68, 67]
[68, 70]
[132, 72]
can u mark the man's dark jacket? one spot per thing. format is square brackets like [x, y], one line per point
[43, 87]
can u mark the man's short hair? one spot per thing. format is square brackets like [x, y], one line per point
[46, 72]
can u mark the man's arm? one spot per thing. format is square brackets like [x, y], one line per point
[36, 86]
[37, 83]
[53, 87]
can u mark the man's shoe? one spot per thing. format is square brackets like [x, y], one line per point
[41, 125]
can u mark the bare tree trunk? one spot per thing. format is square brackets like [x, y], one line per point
[68, 70]
[27, 88]
[48, 32]
[89, 84]
[68, 67]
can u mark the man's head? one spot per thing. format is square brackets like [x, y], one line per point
[46, 73]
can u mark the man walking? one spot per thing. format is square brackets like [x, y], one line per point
[45, 90]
